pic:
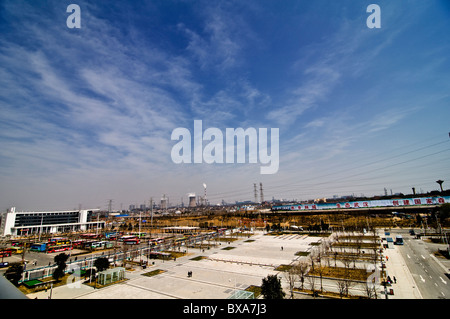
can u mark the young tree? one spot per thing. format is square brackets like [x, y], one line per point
[271, 288]
[60, 261]
[101, 263]
[14, 273]
[444, 212]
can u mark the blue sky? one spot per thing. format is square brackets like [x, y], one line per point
[86, 114]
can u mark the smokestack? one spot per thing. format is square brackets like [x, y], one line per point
[261, 192]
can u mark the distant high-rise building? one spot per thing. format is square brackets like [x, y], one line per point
[164, 202]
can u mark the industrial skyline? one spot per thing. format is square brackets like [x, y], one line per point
[87, 110]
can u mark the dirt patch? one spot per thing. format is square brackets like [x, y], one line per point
[341, 273]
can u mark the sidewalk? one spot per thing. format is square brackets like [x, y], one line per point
[62, 292]
[405, 288]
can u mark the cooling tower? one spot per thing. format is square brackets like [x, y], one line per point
[192, 202]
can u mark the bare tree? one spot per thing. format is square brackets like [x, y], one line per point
[301, 269]
[359, 243]
[125, 251]
[370, 284]
[320, 270]
[312, 284]
[348, 284]
[341, 287]
[290, 276]
[346, 260]
[312, 258]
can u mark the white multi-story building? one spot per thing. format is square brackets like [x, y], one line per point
[25, 223]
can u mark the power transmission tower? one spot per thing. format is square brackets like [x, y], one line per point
[110, 205]
[256, 192]
[151, 216]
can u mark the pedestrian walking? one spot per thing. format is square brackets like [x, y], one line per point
[395, 280]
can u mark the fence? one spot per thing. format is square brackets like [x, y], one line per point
[86, 263]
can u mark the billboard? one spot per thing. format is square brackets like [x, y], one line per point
[368, 203]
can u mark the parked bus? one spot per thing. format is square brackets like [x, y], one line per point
[79, 243]
[139, 235]
[16, 250]
[129, 240]
[5, 253]
[127, 237]
[87, 244]
[38, 247]
[57, 248]
[155, 241]
[91, 236]
[59, 241]
[180, 240]
[112, 235]
[16, 243]
[101, 244]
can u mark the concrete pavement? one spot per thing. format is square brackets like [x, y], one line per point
[224, 271]
[218, 276]
[406, 287]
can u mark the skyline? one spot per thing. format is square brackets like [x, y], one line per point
[87, 114]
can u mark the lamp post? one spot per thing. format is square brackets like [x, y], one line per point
[40, 229]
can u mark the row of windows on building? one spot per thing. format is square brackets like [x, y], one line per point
[35, 219]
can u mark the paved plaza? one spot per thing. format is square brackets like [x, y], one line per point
[224, 269]
[228, 267]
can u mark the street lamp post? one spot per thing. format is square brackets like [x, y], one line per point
[40, 229]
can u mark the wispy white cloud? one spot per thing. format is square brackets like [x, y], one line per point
[218, 45]
[123, 109]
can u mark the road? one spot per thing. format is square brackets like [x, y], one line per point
[427, 271]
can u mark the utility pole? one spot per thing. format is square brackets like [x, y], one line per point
[151, 216]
